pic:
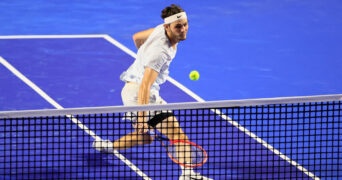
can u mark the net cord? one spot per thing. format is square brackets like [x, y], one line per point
[170, 106]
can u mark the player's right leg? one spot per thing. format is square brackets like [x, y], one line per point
[170, 127]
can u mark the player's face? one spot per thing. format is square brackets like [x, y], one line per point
[178, 30]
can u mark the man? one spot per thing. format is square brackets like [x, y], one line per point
[156, 49]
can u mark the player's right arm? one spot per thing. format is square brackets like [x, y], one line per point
[140, 37]
[149, 77]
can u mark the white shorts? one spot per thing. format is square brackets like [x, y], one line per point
[129, 96]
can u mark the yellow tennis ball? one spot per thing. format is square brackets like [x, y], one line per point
[194, 75]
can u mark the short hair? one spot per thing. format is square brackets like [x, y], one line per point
[171, 10]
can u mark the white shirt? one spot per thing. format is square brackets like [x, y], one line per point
[156, 53]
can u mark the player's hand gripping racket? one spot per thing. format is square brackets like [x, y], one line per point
[182, 152]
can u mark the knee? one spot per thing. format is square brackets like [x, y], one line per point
[145, 139]
[181, 136]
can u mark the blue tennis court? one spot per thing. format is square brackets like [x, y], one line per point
[53, 57]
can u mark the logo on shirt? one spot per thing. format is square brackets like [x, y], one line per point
[179, 16]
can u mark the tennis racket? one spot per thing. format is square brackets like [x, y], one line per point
[182, 152]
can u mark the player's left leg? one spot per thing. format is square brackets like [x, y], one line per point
[132, 139]
[128, 141]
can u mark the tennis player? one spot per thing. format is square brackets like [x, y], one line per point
[157, 48]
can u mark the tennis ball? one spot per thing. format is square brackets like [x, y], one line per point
[194, 75]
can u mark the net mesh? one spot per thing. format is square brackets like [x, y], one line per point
[289, 138]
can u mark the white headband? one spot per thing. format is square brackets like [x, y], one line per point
[175, 17]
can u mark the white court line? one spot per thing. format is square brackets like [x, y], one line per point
[73, 119]
[186, 90]
[52, 36]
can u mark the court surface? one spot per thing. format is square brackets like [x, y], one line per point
[242, 49]
[84, 73]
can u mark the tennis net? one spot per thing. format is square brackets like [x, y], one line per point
[273, 138]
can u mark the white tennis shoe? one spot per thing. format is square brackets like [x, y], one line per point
[104, 146]
[189, 174]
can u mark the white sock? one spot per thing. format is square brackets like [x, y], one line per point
[188, 169]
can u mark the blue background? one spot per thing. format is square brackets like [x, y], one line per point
[243, 49]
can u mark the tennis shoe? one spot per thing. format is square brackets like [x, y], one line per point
[104, 146]
[189, 174]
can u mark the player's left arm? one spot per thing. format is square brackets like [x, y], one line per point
[140, 37]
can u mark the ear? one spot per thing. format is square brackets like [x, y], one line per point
[166, 27]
